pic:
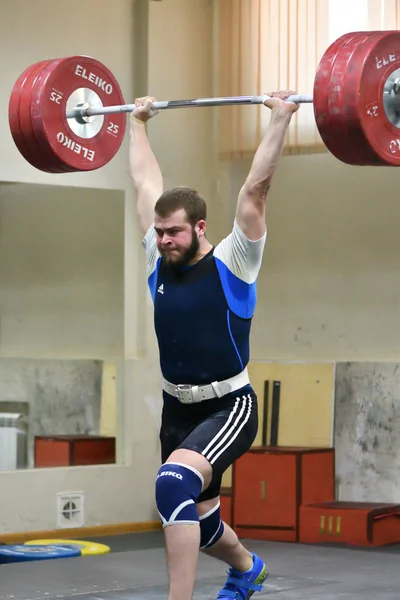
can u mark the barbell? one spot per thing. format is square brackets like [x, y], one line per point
[67, 114]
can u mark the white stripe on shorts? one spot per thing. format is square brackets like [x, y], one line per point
[229, 432]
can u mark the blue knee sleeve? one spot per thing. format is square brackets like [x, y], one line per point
[211, 527]
[177, 489]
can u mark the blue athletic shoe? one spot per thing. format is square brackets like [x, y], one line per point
[242, 586]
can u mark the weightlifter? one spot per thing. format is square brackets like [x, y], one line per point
[204, 300]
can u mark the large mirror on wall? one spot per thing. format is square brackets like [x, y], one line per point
[61, 324]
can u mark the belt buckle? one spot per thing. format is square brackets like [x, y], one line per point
[185, 393]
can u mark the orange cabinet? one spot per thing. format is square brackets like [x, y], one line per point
[269, 485]
[226, 505]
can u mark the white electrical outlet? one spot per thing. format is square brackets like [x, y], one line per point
[70, 510]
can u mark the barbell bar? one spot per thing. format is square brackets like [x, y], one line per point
[67, 114]
[79, 113]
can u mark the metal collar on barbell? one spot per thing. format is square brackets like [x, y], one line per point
[67, 114]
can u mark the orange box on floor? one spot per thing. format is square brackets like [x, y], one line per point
[352, 523]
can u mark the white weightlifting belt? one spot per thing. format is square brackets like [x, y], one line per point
[190, 394]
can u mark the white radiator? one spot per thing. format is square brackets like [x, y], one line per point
[13, 441]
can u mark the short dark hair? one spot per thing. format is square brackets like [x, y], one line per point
[182, 197]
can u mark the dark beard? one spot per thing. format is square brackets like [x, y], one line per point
[187, 256]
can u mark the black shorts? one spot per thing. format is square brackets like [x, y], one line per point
[221, 429]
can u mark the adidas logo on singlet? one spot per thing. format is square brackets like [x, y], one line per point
[161, 289]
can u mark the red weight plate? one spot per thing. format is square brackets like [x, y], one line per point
[15, 124]
[13, 116]
[321, 82]
[59, 87]
[362, 153]
[344, 140]
[45, 159]
[323, 88]
[374, 67]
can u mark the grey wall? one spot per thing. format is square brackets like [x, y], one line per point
[367, 431]
[64, 396]
[61, 272]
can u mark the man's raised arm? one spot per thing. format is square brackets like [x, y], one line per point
[144, 168]
[251, 205]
